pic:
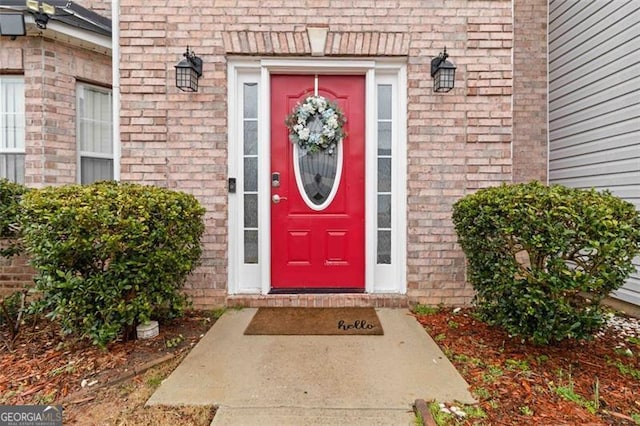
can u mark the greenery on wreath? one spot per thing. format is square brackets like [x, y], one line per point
[541, 258]
[317, 125]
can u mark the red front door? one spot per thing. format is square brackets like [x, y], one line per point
[317, 207]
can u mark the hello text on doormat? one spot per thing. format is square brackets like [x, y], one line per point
[315, 321]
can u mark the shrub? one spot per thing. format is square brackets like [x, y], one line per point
[111, 255]
[12, 310]
[10, 195]
[533, 250]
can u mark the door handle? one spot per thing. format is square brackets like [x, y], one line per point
[276, 198]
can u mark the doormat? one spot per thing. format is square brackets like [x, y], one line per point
[315, 321]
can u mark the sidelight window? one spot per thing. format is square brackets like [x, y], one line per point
[384, 157]
[250, 166]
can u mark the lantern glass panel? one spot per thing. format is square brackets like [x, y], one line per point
[186, 78]
[193, 80]
[444, 79]
[182, 78]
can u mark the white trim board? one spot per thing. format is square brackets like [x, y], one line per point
[255, 278]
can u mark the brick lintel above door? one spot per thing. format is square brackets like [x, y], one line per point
[297, 43]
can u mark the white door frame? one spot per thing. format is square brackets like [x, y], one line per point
[256, 278]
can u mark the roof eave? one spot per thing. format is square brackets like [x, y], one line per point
[59, 31]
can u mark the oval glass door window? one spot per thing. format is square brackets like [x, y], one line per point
[317, 175]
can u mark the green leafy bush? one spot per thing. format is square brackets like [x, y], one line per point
[111, 255]
[10, 195]
[12, 310]
[533, 250]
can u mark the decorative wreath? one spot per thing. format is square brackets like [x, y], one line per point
[317, 125]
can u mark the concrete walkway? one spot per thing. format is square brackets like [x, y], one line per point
[320, 380]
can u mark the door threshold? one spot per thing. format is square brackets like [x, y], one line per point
[328, 290]
[302, 300]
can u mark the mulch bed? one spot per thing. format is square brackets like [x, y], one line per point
[520, 383]
[45, 368]
[515, 382]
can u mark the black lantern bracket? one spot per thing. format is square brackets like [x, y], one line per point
[435, 62]
[188, 71]
[194, 60]
[442, 72]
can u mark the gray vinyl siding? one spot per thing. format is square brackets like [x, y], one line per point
[594, 101]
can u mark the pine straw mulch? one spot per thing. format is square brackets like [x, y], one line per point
[46, 368]
[593, 382]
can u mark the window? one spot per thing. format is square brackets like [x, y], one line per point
[246, 258]
[12, 128]
[250, 166]
[95, 138]
[384, 154]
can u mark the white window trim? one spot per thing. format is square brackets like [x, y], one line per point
[385, 276]
[12, 151]
[16, 79]
[89, 154]
[334, 187]
[22, 150]
[256, 279]
[243, 278]
[80, 86]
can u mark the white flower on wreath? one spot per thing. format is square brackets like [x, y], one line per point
[324, 137]
[303, 134]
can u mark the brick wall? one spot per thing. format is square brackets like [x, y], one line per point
[15, 274]
[102, 7]
[50, 70]
[457, 142]
[530, 129]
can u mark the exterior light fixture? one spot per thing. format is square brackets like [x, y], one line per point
[188, 70]
[443, 73]
[41, 12]
[12, 25]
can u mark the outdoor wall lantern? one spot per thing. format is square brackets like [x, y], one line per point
[443, 73]
[188, 70]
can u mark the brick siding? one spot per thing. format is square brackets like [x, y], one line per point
[457, 142]
[339, 43]
[15, 274]
[491, 128]
[51, 70]
[320, 301]
[102, 7]
[530, 128]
